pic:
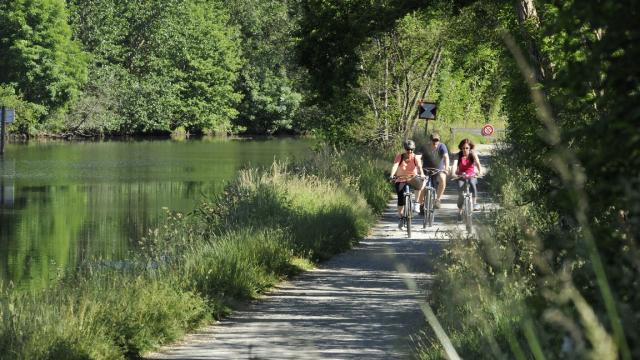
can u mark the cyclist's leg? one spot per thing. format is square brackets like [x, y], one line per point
[400, 192]
[460, 196]
[460, 202]
[435, 182]
[442, 183]
[473, 186]
[418, 184]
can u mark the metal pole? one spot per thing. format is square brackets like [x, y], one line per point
[426, 127]
[2, 132]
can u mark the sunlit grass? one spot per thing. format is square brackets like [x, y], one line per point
[267, 225]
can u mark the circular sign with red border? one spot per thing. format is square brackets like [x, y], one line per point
[487, 130]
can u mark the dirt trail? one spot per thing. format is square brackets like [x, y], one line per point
[354, 306]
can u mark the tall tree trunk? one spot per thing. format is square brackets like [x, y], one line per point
[386, 95]
[530, 25]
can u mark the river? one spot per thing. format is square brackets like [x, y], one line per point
[62, 203]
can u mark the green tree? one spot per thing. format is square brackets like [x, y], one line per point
[472, 82]
[37, 55]
[27, 113]
[163, 64]
[332, 31]
[207, 58]
[268, 79]
[398, 68]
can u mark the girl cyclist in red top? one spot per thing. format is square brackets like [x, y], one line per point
[465, 166]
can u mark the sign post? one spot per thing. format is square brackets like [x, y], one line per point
[2, 130]
[427, 110]
[8, 115]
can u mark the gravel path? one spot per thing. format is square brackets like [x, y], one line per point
[358, 305]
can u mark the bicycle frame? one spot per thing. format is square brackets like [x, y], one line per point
[408, 208]
[467, 205]
[429, 198]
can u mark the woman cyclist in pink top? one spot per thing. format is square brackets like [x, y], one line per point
[465, 166]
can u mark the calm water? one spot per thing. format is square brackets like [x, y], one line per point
[61, 202]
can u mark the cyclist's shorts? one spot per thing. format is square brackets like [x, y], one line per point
[435, 179]
[416, 183]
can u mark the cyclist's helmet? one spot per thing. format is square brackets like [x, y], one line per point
[409, 145]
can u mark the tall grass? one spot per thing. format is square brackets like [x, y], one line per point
[267, 225]
[482, 282]
[500, 294]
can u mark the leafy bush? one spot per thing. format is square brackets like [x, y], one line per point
[27, 113]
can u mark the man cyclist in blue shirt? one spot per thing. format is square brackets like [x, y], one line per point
[435, 155]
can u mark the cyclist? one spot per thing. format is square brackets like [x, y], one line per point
[406, 167]
[435, 155]
[465, 166]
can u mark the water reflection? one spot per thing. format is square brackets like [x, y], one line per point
[64, 203]
[6, 195]
[6, 185]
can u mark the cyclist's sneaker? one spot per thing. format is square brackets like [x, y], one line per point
[400, 223]
[476, 207]
[459, 217]
[421, 209]
[416, 208]
[436, 204]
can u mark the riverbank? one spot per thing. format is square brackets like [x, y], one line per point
[67, 202]
[20, 138]
[267, 225]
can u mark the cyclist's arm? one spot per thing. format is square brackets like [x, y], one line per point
[419, 165]
[454, 167]
[445, 158]
[394, 168]
[476, 160]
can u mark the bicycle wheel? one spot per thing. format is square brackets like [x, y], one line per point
[432, 209]
[426, 207]
[408, 210]
[467, 212]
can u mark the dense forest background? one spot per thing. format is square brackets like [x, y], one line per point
[350, 71]
[557, 276]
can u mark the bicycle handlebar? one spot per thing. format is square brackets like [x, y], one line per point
[461, 177]
[394, 178]
[433, 171]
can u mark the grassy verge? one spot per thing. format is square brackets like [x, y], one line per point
[503, 295]
[267, 225]
[482, 284]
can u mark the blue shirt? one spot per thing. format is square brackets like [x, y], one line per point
[434, 158]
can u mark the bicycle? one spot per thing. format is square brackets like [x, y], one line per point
[429, 197]
[407, 213]
[467, 204]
